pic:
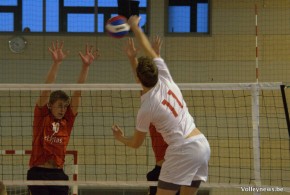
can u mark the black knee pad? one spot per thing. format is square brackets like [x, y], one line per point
[153, 175]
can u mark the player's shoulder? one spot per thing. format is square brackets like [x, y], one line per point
[158, 60]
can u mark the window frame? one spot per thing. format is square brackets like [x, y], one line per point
[191, 34]
[63, 18]
[16, 10]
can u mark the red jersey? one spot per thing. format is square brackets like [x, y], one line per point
[50, 136]
[158, 144]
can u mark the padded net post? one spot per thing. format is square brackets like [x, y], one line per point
[15, 165]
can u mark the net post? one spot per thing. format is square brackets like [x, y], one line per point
[74, 153]
[283, 95]
[75, 165]
[256, 135]
[257, 50]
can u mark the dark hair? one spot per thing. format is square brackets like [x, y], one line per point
[147, 71]
[58, 94]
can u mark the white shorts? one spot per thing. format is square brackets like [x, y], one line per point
[186, 163]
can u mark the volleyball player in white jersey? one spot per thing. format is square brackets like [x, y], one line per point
[162, 104]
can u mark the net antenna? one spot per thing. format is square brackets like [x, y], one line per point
[256, 136]
[256, 115]
[257, 53]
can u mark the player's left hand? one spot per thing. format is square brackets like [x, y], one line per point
[90, 55]
[117, 131]
[130, 49]
[156, 44]
[57, 52]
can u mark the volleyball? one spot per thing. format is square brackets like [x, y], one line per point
[117, 26]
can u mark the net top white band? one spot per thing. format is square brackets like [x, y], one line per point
[129, 86]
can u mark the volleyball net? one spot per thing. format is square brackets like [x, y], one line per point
[246, 125]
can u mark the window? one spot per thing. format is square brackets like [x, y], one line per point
[69, 16]
[188, 16]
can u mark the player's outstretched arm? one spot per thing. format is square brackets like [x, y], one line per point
[134, 142]
[131, 53]
[141, 37]
[157, 44]
[87, 58]
[57, 55]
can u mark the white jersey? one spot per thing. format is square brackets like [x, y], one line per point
[164, 107]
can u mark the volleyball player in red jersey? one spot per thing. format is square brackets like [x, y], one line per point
[54, 116]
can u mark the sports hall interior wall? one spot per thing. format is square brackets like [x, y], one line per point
[227, 55]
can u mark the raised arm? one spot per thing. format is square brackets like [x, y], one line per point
[131, 53]
[57, 55]
[87, 60]
[156, 45]
[141, 37]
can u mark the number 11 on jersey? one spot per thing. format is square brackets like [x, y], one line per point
[166, 103]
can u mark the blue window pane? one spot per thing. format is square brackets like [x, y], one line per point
[114, 3]
[8, 2]
[52, 16]
[32, 15]
[143, 20]
[179, 19]
[79, 3]
[113, 15]
[108, 3]
[81, 23]
[6, 22]
[202, 17]
[143, 3]
[101, 22]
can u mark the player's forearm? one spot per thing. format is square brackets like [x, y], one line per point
[51, 75]
[76, 97]
[128, 141]
[50, 78]
[143, 41]
[134, 64]
[82, 79]
[83, 75]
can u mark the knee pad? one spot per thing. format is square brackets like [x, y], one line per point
[153, 175]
